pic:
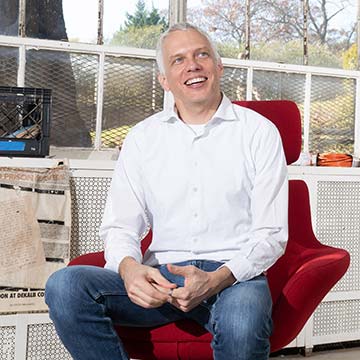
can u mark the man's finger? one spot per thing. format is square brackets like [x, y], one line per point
[148, 293]
[161, 280]
[163, 290]
[180, 270]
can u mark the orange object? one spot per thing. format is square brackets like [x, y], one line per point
[334, 159]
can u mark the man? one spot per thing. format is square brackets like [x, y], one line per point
[210, 180]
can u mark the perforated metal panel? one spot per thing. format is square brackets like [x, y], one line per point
[338, 224]
[233, 83]
[88, 202]
[337, 317]
[332, 114]
[131, 93]
[72, 78]
[8, 65]
[270, 85]
[7, 342]
[44, 344]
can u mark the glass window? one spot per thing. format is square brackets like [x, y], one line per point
[81, 19]
[332, 32]
[131, 93]
[224, 20]
[9, 17]
[332, 114]
[138, 24]
[276, 32]
[72, 79]
[9, 58]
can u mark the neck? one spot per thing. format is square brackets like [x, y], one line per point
[199, 113]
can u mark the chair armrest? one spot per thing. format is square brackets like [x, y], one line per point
[303, 293]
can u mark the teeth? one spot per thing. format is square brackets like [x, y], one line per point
[196, 80]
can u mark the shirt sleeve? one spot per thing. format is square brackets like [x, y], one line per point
[269, 208]
[124, 221]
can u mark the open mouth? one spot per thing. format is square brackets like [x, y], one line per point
[197, 80]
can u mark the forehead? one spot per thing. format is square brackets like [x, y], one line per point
[184, 40]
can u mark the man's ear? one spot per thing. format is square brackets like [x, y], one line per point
[220, 67]
[163, 82]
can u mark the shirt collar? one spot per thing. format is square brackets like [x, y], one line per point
[225, 112]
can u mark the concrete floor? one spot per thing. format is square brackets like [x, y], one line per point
[342, 354]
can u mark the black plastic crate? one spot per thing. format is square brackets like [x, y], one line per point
[25, 115]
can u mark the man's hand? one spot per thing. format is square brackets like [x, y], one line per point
[145, 285]
[199, 285]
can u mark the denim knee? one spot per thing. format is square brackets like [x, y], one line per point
[59, 292]
[53, 287]
[241, 321]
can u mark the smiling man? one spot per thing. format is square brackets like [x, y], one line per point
[191, 70]
[210, 179]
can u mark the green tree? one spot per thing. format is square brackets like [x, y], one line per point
[143, 37]
[141, 29]
[350, 58]
[142, 17]
[139, 18]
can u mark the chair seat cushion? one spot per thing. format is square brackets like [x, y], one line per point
[180, 331]
[184, 340]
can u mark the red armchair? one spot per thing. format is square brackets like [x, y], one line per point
[298, 281]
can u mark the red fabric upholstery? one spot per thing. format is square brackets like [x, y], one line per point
[298, 281]
[286, 116]
[307, 271]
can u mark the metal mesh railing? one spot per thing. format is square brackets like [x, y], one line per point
[332, 114]
[72, 78]
[233, 83]
[9, 59]
[130, 92]
[271, 85]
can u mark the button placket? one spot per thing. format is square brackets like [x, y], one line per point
[195, 196]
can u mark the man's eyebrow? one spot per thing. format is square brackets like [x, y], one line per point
[176, 55]
[180, 53]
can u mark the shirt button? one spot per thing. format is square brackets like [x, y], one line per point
[195, 240]
[195, 163]
[195, 215]
[195, 189]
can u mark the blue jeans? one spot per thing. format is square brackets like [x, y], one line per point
[86, 301]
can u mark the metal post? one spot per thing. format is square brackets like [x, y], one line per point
[22, 11]
[247, 30]
[358, 35]
[22, 48]
[100, 30]
[177, 11]
[99, 101]
[305, 32]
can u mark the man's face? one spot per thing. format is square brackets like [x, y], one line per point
[192, 73]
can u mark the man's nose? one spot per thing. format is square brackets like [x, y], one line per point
[193, 65]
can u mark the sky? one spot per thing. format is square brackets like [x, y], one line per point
[81, 16]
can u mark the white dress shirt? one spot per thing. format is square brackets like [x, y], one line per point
[219, 193]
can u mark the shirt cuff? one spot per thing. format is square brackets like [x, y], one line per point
[242, 270]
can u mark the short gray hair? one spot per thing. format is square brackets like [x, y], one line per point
[180, 27]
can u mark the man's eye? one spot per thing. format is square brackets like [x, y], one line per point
[178, 60]
[203, 54]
